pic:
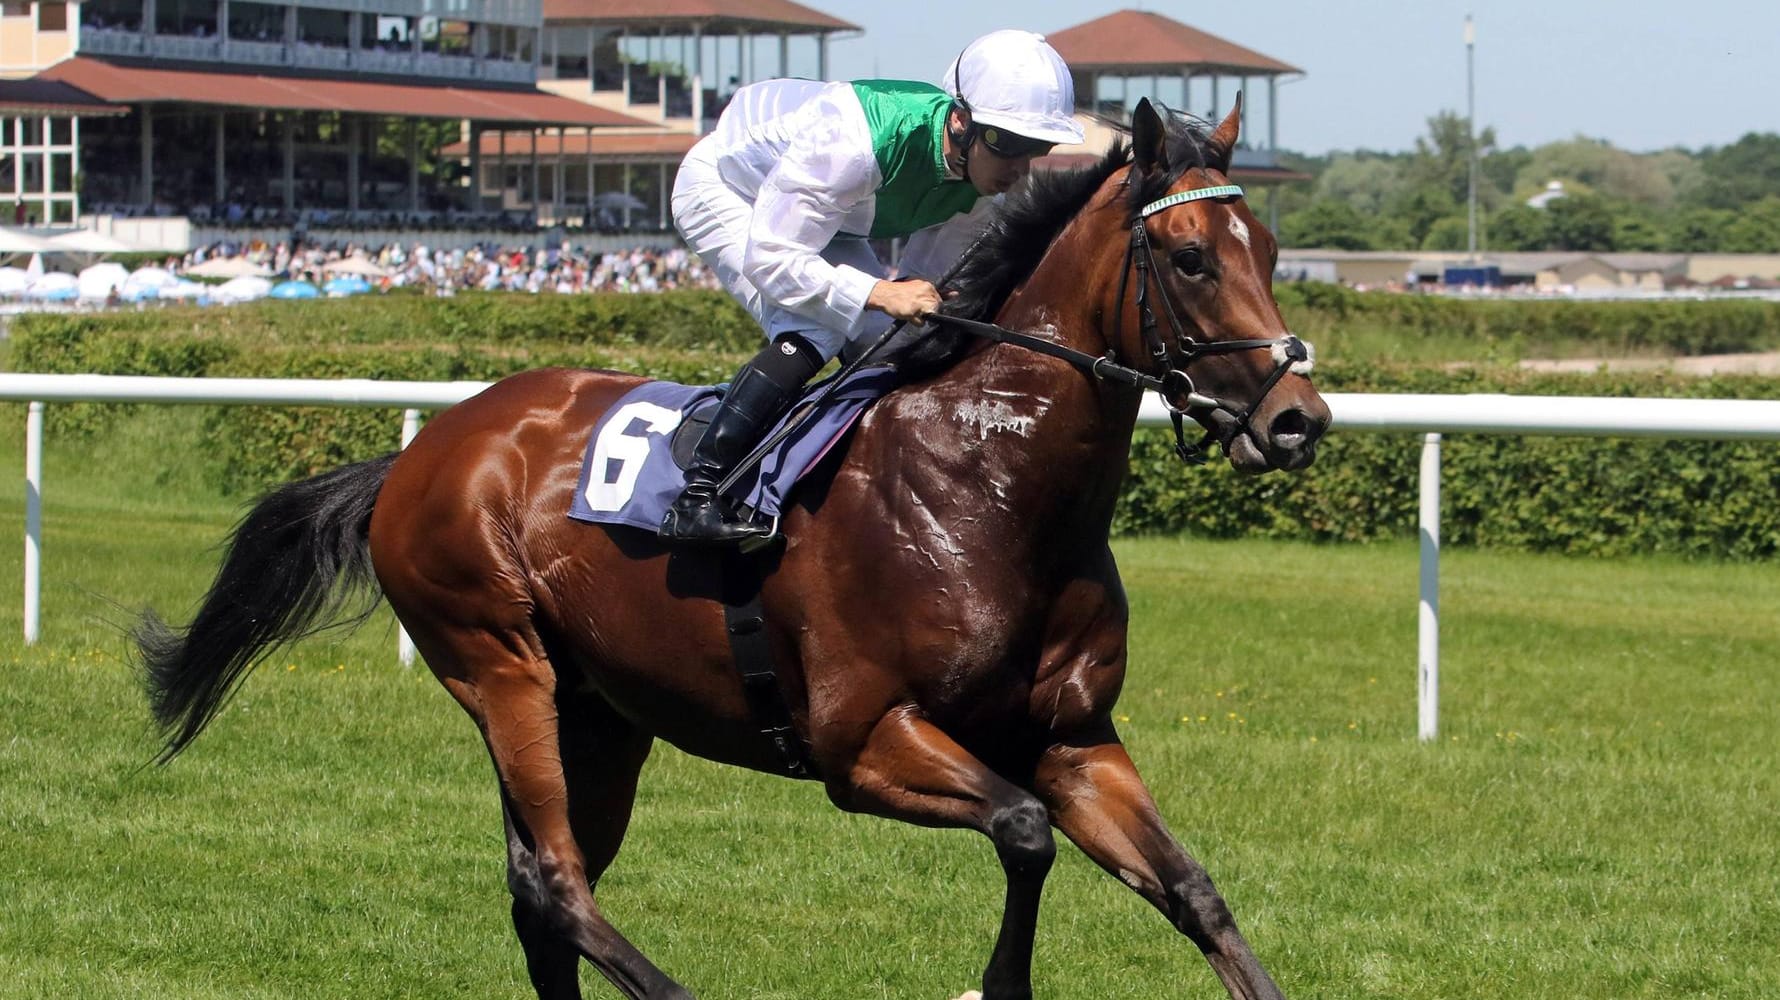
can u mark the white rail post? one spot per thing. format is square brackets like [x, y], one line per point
[1428, 678]
[33, 518]
[405, 645]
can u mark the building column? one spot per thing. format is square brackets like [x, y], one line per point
[625, 221]
[1273, 113]
[537, 174]
[413, 165]
[661, 79]
[473, 200]
[148, 154]
[74, 137]
[221, 168]
[351, 122]
[1246, 104]
[822, 56]
[559, 173]
[592, 219]
[290, 161]
[698, 82]
[222, 29]
[1217, 107]
[623, 67]
[784, 55]
[661, 195]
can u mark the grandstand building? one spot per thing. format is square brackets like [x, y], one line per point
[177, 122]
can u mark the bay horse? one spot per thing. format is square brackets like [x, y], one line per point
[945, 613]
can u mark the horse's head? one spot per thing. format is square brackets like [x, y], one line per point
[1198, 298]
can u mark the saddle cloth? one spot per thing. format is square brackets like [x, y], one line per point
[636, 457]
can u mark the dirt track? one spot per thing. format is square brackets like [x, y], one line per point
[1707, 364]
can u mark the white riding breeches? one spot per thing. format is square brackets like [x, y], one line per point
[713, 218]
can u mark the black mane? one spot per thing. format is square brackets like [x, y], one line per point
[1020, 233]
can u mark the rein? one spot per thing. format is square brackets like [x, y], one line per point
[1289, 353]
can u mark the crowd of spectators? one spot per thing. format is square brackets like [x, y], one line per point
[563, 269]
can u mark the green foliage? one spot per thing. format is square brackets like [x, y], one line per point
[1573, 495]
[1745, 171]
[1672, 200]
[1579, 222]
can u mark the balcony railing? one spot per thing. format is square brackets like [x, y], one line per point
[334, 59]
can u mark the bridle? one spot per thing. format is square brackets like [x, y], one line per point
[1289, 353]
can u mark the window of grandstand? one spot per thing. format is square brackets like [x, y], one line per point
[107, 15]
[192, 18]
[256, 22]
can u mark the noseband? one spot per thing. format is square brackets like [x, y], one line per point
[1289, 353]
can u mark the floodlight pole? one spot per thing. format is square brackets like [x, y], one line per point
[1471, 137]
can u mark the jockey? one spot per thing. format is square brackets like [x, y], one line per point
[780, 199]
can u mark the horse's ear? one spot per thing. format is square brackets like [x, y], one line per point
[1149, 138]
[1223, 140]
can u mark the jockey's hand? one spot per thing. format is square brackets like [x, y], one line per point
[906, 300]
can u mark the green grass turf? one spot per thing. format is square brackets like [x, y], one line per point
[1597, 818]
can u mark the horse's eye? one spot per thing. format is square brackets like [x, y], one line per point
[1190, 261]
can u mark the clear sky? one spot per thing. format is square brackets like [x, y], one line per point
[1643, 76]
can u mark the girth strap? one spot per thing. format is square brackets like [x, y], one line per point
[744, 619]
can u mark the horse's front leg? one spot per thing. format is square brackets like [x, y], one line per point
[1097, 799]
[909, 770]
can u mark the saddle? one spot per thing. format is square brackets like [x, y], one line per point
[636, 457]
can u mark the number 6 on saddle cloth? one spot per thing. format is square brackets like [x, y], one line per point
[636, 457]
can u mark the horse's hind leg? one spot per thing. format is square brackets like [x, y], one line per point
[509, 688]
[601, 757]
[912, 771]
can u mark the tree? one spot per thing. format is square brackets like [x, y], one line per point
[1637, 230]
[1598, 167]
[1365, 183]
[1421, 207]
[1331, 225]
[1519, 227]
[1699, 230]
[1442, 158]
[1450, 233]
[1580, 222]
[1756, 229]
[1743, 172]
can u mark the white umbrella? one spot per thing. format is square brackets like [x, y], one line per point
[56, 285]
[87, 241]
[13, 281]
[147, 282]
[184, 290]
[228, 267]
[243, 289]
[355, 265]
[100, 280]
[21, 241]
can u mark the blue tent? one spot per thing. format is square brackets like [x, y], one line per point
[346, 284]
[295, 290]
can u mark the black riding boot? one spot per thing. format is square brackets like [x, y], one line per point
[760, 392]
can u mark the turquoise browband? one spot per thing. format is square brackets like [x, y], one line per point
[1221, 191]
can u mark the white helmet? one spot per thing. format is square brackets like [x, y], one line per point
[1014, 80]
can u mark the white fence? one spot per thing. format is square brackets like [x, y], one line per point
[1431, 416]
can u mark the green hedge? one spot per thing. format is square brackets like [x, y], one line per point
[1595, 496]
[1321, 311]
[1578, 495]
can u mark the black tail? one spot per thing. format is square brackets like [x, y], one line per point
[294, 565]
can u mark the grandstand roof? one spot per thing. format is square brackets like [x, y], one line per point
[766, 16]
[1140, 42]
[52, 99]
[671, 146]
[120, 83]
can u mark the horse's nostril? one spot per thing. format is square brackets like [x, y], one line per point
[1292, 429]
